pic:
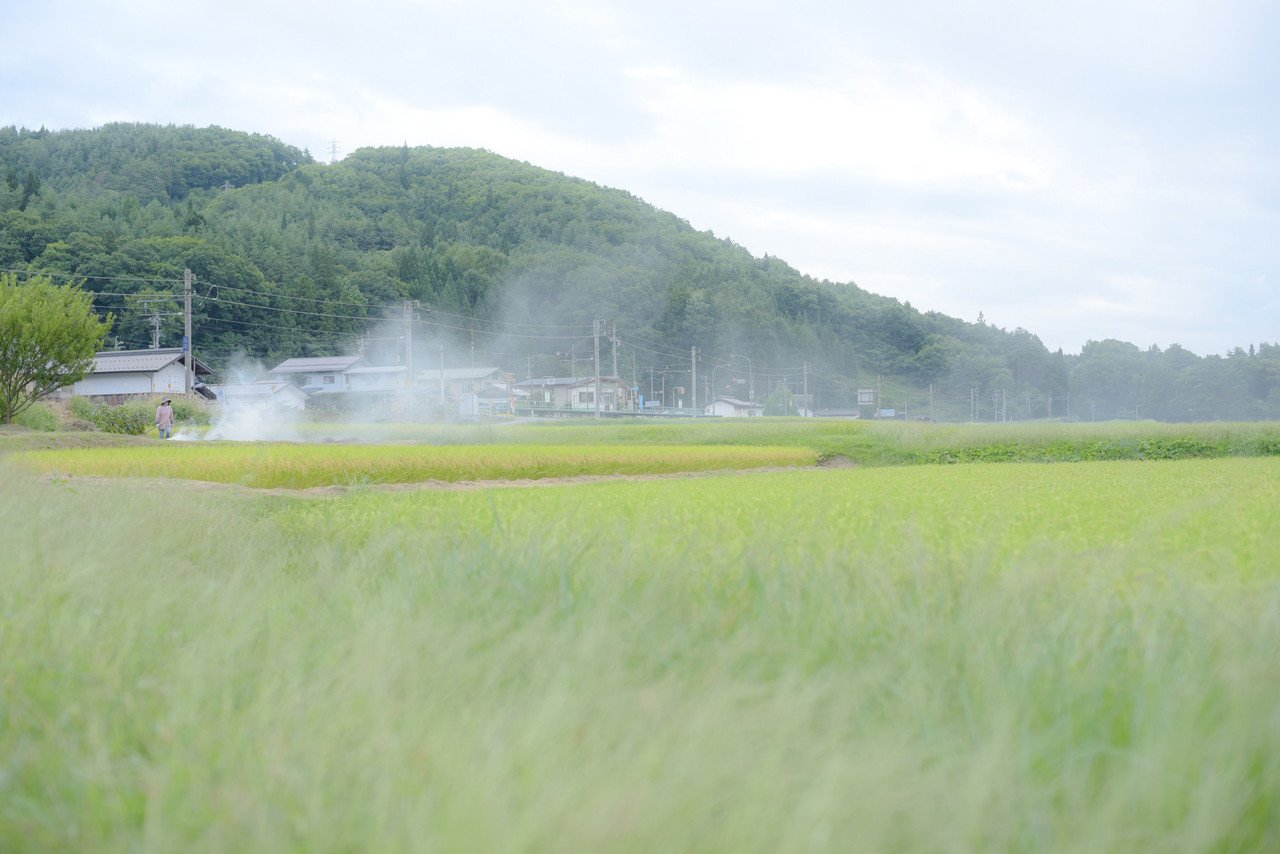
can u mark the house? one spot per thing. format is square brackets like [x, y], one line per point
[576, 393]
[732, 407]
[262, 395]
[457, 381]
[383, 378]
[317, 374]
[119, 375]
[493, 399]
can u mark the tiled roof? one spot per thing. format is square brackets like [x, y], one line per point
[140, 361]
[314, 363]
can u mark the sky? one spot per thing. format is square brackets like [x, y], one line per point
[1087, 170]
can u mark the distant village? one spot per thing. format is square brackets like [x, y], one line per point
[348, 383]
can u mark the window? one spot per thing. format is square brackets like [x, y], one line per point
[328, 379]
[586, 397]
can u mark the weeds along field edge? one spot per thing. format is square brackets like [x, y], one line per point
[988, 657]
[277, 465]
[523, 451]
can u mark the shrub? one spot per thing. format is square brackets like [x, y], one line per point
[38, 417]
[131, 419]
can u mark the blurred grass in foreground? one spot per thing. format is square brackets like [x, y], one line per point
[963, 657]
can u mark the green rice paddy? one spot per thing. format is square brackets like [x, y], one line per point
[1078, 656]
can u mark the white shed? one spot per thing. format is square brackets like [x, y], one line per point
[732, 407]
[118, 375]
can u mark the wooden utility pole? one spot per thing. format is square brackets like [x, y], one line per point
[693, 386]
[187, 358]
[808, 407]
[408, 356]
[597, 329]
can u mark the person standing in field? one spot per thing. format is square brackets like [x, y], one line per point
[164, 418]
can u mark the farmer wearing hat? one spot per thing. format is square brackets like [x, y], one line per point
[164, 419]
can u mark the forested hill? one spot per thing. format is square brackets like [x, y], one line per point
[510, 265]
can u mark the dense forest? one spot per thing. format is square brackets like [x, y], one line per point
[502, 263]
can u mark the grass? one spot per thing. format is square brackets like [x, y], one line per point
[303, 466]
[1075, 657]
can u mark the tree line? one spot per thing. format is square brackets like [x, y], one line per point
[510, 262]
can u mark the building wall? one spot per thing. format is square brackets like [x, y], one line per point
[375, 382]
[168, 380]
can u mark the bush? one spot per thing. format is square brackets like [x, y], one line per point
[38, 417]
[132, 419]
[137, 416]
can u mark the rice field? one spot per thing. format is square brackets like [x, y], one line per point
[290, 466]
[1068, 657]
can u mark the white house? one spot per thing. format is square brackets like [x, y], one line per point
[457, 381]
[262, 395]
[118, 375]
[732, 407]
[578, 393]
[318, 374]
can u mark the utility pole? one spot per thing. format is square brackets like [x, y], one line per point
[187, 278]
[693, 386]
[973, 403]
[408, 356]
[808, 407]
[932, 415]
[442, 379]
[614, 341]
[529, 375]
[597, 329]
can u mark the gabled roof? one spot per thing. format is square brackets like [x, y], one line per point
[540, 382]
[141, 361]
[733, 401]
[314, 363]
[459, 373]
[498, 391]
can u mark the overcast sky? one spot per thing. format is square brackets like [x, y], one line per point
[1085, 170]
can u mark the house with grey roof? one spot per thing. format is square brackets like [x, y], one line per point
[457, 381]
[317, 374]
[120, 375]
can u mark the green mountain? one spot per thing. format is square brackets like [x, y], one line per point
[510, 264]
